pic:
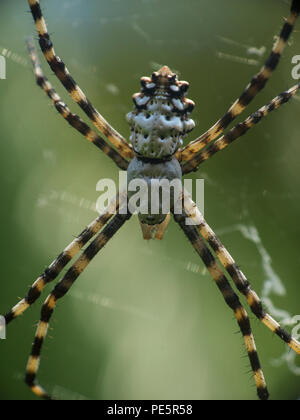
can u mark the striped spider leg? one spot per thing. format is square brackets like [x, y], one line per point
[256, 85]
[159, 123]
[238, 131]
[61, 71]
[60, 290]
[65, 112]
[236, 274]
[230, 297]
[53, 271]
[203, 239]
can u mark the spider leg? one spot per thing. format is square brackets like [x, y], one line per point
[65, 112]
[161, 229]
[256, 85]
[51, 273]
[69, 83]
[236, 274]
[59, 292]
[238, 131]
[231, 299]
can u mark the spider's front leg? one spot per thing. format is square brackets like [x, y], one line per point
[238, 131]
[61, 71]
[74, 120]
[256, 85]
[60, 290]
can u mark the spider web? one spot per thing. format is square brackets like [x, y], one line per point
[251, 191]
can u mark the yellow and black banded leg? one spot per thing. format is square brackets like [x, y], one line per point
[231, 299]
[59, 292]
[236, 274]
[256, 85]
[73, 119]
[52, 272]
[238, 131]
[61, 71]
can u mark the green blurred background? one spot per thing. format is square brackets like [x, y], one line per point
[145, 321]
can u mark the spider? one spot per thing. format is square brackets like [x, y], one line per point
[159, 122]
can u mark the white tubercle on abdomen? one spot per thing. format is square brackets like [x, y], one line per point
[161, 118]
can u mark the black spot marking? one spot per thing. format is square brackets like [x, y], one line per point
[273, 61]
[29, 379]
[254, 360]
[46, 313]
[207, 256]
[45, 43]
[40, 81]
[284, 97]
[286, 32]
[88, 109]
[213, 242]
[263, 393]
[94, 248]
[257, 309]
[245, 327]
[36, 12]
[257, 117]
[246, 98]
[284, 335]
[295, 6]
[271, 107]
[37, 347]
[32, 295]
[225, 120]
[9, 317]
[62, 288]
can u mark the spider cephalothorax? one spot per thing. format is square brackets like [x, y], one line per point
[161, 118]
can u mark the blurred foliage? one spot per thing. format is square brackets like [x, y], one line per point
[145, 321]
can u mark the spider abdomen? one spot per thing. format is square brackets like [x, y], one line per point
[161, 118]
[159, 186]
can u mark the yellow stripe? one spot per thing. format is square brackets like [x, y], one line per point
[295, 345]
[41, 26]
[237, 109]
[51, 302]
[42, 329]
[39, 285]
[39, 391]
[252, 298]
[240, 314]
[73, 249]
[250, 344]
[49, 54]
[259, 379]
[20, 308]
[33, 365]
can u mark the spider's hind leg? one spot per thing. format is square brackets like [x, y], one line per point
[60, 290]
[53, 271]
[237, 275]
[231, 299]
